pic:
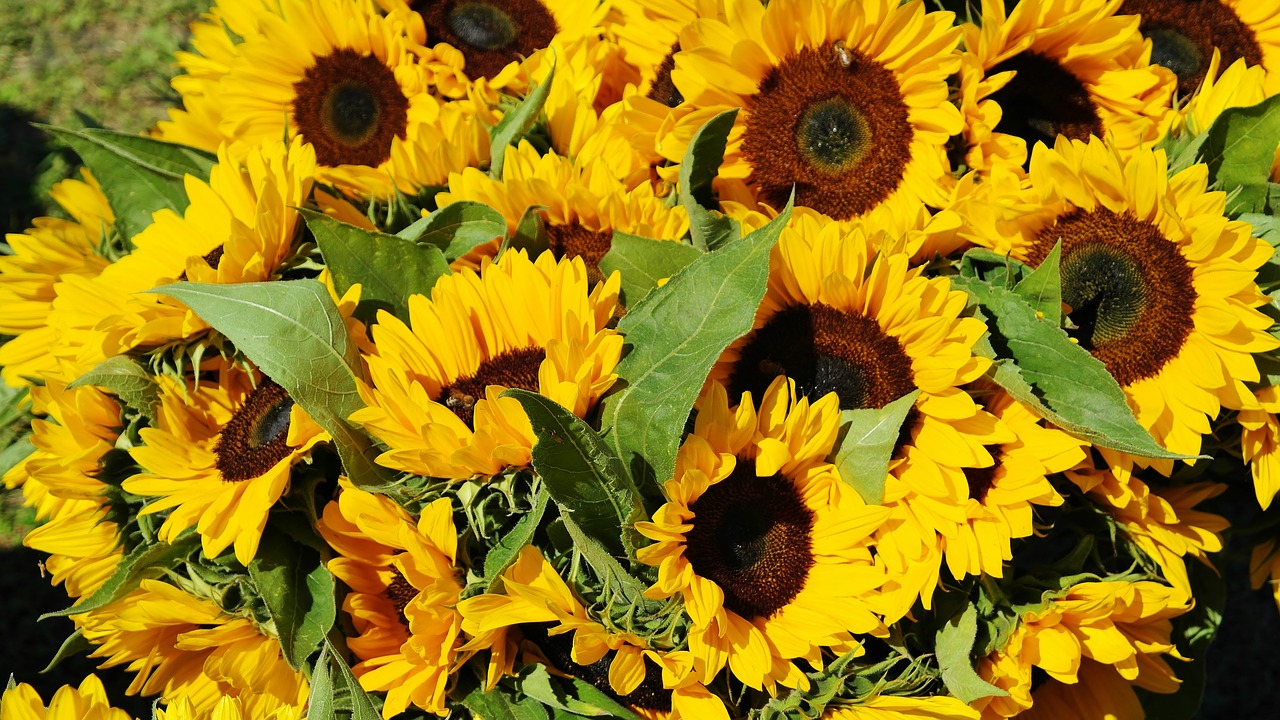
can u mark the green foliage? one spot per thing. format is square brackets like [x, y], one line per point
[1042, 288]
[865, 445]
[1239, 149]
[335, 692]
[570, 694]
[292, 331]
[675, 335]
[128, 380]
[138, 175]
[457, 228]
[698, 168]
[145, 562]
[644, 262]
[298, 591]
[530, 234]
[1057, 377]
[388, 268]
[954, 647]
[504, 552]
[581, 473]
[516, 122]
[75, 644]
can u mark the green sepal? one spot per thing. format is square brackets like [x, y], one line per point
[74, 644]
[954, 645]
[504, 553]
[388, 268]
[518, 121]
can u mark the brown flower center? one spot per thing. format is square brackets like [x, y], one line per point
[1044, 100]
[981, 480]
[256, 437]
[1128, 288]
[573, 240]
[350, 108]
[813, 124]
[511, 369]
[213, 259]
[752, 536]
[489, 33]
[825, 350]
[662, 89]
[1183, 34]
[400, 593]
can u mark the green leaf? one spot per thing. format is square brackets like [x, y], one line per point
[700, 165]
[1042, 289]
[675, 335]
[517, 121]
[337, 695]
[643, 262]
[1060, 379]
[504, 552]
[530, 234]
[993, 268]
[457, 228]
[592, 697]
[865, 445]
[1266, 227]
[75, 644]
[498, 705]
[1183, 151]
[388, 268]
[128, 380]
[138, 175]
[292, 331]
[582, 474]
[298, 591]
[578, 698]
[1239, 151]
[17, 451]
[606, 566]
[954, 643]
[145, 562]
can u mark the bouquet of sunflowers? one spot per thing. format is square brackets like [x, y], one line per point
[690, 359]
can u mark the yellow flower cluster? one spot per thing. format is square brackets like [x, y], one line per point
[665, 359]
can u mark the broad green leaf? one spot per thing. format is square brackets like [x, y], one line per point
[1057, 377]
[644, 262]
[340, 696]
[1265, 226]
[954, 643]
[1042, 289]
[571, 694]
[591, 696]
[1239, 150]
[993, 268]
[675, 335]
[505, 551]
[865, 445]
[128, 380]
[700, 165]
[516, 122]
[457, 228]
[292, 331]
[74, 645]
[582, 474]
[298, 591]
[138, 175]
[145, 562]
[530, 234]
[611, 573]
[388, 268]
[496, 704]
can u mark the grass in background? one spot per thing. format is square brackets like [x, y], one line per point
[69, 63]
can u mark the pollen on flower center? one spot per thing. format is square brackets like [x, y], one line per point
[573, 240]
[511, 369]
[752, 536]
[256, 437]
[832, 134]
[482, 25]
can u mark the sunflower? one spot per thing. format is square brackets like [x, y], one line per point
[1057, 67]
[73, 433]
[537, 606]
[1264, 567]
[1173, 317]
[890, 707]
[517, 323]
[228, 708]
[1094, 642]
[763, 540]
[403, 595]
[975, 535]
[1240, 85]
[1260, 441]
[583, 203]
[844, 100]
[349, 82]
[1185, 35]
[87, 702]
[179, 644]
[480, 46]
[1159, 519]
[240, 227]
[39, 259]
[220, 456]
